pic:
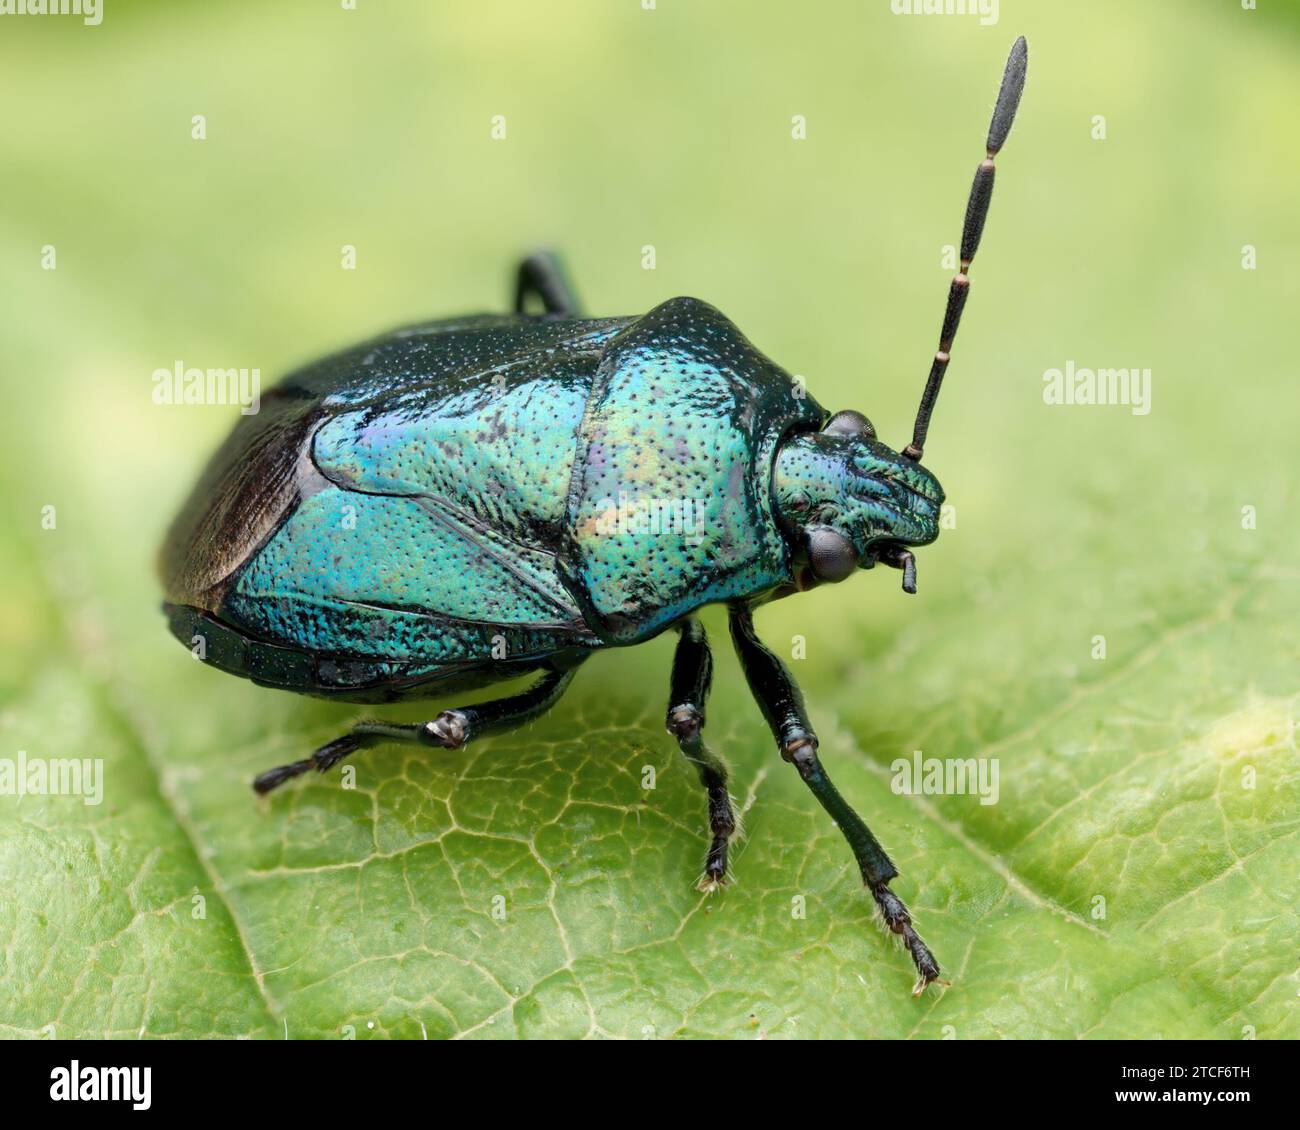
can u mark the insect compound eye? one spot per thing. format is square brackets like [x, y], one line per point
[850, 423]
[830, 554]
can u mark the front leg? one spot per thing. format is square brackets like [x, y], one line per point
[778, 696]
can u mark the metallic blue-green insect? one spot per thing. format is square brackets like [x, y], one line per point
[472, 500]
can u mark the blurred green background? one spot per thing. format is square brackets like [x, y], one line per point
[183, 907]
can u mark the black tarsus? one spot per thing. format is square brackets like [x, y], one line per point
[781, 702]
[977, 210]
[452, 729]
[543, 276]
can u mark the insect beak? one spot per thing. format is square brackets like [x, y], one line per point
[896, 557]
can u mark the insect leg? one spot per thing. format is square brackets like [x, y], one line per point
[452, 729]
[781, 701]
[542, 275]
[691, 679]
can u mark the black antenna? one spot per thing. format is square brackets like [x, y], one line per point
[977, 209]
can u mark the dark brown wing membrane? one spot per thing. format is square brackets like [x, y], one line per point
[249, 486]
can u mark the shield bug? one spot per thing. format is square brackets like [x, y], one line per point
[472, 500]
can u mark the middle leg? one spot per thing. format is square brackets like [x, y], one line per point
[691, 679]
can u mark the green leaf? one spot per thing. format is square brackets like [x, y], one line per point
[1136, 876]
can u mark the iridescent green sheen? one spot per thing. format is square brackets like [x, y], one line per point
[458, 502]
[465, 501]
[683, 421]
[858, 487]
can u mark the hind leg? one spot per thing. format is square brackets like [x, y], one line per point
[452, 729]
[542, 276]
